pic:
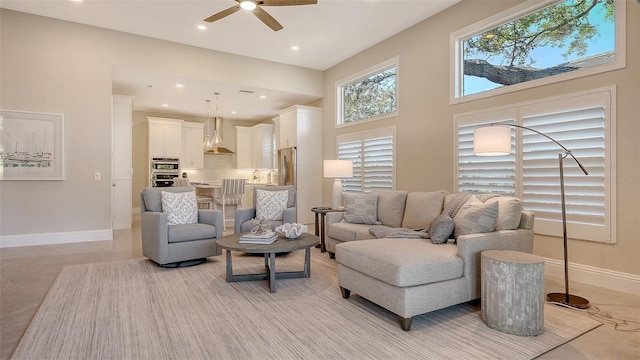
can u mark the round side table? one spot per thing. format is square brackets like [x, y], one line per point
[513, 292]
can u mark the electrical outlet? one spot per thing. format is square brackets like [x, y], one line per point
[96, 176]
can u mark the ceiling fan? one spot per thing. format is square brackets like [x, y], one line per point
[256, 7]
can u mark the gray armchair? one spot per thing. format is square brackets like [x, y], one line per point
[244, 215]
[177, 245]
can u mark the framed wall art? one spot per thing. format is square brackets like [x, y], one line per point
[31, 145]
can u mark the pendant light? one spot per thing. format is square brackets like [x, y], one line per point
[208, 140]
[216, 142]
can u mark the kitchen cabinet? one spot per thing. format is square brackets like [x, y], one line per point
[192, 145]
[244, 148]
[165, 137]
[255, 147]
[301, 127]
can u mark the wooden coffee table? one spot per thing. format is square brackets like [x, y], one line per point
[305, 241]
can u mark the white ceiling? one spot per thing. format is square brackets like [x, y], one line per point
[326, 33]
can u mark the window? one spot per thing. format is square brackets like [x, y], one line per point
[372, 153]
[582, 123]
[370, 95]
[536, 43]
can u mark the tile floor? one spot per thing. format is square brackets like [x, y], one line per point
[27, 273]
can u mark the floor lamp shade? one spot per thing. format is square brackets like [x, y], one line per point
[492, 141]
[337, 169]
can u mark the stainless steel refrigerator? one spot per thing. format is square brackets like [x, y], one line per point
[287, 166]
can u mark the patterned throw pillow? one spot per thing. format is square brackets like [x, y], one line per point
[181, 207]
[441, 229]
[361, 208]
[270, 205]
[475, 217]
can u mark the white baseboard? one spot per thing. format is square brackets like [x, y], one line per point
[55, 238]
[608, 279]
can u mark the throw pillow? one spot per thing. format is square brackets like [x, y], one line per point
[181, 207]
[475, 217]
[270, 205]
[391, 207]
[441, 229]
[509, 212]
[361, 208]
[422, 208]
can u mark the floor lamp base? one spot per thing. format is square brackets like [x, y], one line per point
[574, 301]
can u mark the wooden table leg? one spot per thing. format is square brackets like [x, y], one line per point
[272, 272]
[229, 266]
[323, 247]
[307, 262]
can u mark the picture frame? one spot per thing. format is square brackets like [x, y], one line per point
[31, 145]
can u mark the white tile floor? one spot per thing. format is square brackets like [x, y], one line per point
[27, 273]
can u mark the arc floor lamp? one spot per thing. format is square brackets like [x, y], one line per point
[495, 140]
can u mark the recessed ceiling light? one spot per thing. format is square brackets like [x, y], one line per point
[234, 112]
[262, 97]
[179, 85]
[76, 0]
[202, 27]
[165, 105]
[295, 47]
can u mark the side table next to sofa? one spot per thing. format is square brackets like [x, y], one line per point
[513, 292]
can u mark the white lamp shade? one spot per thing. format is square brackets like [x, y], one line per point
[492, 141]
[338, 168]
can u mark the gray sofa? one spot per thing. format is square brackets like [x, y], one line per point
[412, 276]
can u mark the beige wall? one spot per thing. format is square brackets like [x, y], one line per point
[48, 65]
[425, 124]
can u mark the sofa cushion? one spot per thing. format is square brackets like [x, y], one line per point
[345, 231]
[391, 206]
[181, 207]
[361, 208]
[402, 262]
[422, 208]
[509, 212]
[475, 217]
[441, 229]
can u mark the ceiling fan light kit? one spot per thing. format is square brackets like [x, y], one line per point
[255, 6]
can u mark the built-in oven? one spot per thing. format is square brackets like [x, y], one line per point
[163, 171]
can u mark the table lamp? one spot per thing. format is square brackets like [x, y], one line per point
[337, 169]
[495, 141]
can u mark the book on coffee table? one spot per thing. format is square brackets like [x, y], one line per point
[266, 238]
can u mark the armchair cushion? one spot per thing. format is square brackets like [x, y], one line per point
[271, 204]
[190, 232]
[181, 208]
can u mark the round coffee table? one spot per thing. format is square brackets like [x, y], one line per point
[305, 241]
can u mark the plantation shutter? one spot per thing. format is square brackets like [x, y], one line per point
[378, 163]
[372, 153]
[352, 150]
[581, 130]
[488, 174]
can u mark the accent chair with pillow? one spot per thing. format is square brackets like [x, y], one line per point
[276, 204]
[174, 231]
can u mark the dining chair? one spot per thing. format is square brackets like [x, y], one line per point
[231, 193]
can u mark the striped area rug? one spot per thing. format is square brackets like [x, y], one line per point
[136, 310]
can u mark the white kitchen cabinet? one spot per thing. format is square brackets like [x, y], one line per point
[165, 137]
[192, 145]
[262, 141]
[244, 147]
[301, 127]
[255, 147]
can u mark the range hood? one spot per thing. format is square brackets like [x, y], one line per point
[216, 146]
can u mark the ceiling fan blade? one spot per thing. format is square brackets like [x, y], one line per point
[223, 13]
[267, 19]
[288, 2]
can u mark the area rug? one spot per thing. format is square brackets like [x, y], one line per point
[136, 310]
